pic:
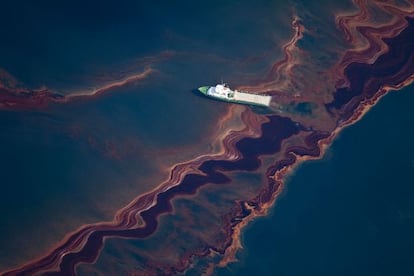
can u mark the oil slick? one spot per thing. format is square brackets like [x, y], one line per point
[379, 57]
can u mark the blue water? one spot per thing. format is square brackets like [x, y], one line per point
[55, 162]
[64, 45]
[348, 214]
[351, 213]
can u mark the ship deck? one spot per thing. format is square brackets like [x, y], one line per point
[252, 98]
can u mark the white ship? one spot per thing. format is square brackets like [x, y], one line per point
[223, 93]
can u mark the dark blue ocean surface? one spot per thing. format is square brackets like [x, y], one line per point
[77, 162]
[56, 162]
[65, 45]
[351, 213]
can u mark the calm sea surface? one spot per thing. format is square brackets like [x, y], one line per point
[58, 166]
[351, 213]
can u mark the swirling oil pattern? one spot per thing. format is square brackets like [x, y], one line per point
[159, 180]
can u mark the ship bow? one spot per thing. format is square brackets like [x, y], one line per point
[203, 89]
